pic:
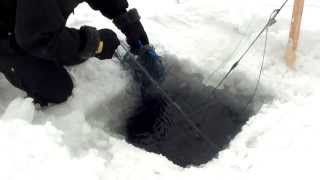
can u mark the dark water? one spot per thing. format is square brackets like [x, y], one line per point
[158, 126]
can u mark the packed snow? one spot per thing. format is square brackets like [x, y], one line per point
[78, 140]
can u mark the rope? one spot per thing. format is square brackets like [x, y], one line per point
[229, 57]
[271, 21]
[260, 72]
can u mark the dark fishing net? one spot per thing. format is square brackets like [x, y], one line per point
[158, 126]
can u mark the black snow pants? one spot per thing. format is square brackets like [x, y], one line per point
[45, 81]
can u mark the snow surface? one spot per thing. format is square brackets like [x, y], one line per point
[76, 140]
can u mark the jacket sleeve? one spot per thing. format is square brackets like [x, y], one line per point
[109, 8]
[40, 30]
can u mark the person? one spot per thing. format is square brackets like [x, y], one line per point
[36, 45]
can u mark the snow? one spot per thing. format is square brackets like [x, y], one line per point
[76, 140]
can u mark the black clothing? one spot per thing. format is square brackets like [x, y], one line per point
[32, 58]
[39, 25]
[91, 37]
[45, 81]
[110, 43]
[109, 8]
[129, 23]
[7, 15]
[40, 28]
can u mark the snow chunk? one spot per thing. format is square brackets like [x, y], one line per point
[20, 108]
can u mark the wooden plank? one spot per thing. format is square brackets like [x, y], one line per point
[294, 33]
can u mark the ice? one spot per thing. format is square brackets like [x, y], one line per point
[78, 140]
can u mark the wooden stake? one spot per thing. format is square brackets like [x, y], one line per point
[294, 33]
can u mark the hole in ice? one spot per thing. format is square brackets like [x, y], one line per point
[157, 126]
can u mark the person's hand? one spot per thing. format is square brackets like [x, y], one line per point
[107, 45]
[129, 23]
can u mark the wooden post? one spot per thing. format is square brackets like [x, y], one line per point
[294, 33]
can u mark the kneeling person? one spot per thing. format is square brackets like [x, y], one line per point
[35, 43]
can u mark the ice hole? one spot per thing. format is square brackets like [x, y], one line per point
[155, 125]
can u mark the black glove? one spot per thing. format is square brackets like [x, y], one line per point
[129, 23]
[109, 42]
[101, 44]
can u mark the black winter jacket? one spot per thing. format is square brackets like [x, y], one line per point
[39, 26]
